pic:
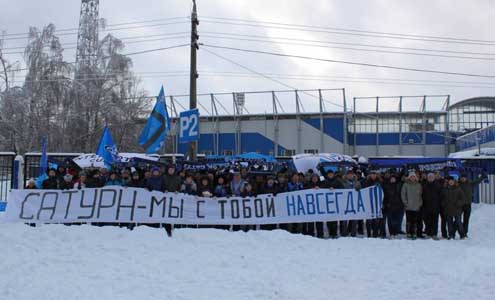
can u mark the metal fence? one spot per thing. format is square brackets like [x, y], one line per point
[485, 192]
[6, 173]
[32, 162]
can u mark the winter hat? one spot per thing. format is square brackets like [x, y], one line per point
[83, 174]
[155, 168]
[411, 174]
[31, 180]
[68, 177]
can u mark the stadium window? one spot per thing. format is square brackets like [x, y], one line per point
[311, 151]
[289, 152]
[207, 152]
[228, 152]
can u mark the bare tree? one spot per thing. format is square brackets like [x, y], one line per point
[71, 112]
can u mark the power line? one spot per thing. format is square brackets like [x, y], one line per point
[106, 26]
[334, 30]
[122, 39]
[350, 62]
[267, 77]
[348, 44]
[129, 54]
[299, 77]
[106, 30]
[127, 42]
[348, 48]
[287, 39]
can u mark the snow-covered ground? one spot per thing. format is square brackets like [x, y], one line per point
[84, 262]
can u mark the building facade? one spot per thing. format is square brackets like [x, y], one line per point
[371, 126]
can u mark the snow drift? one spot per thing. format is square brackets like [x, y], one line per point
[85, 262]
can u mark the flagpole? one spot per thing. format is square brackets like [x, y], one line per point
[193, 73]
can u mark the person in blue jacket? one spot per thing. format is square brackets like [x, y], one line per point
[113, 179]
[155, 182]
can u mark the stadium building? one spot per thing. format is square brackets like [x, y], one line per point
[324, 121]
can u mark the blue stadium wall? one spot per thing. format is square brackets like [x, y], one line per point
[259, 135]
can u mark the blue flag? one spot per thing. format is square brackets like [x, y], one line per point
[44, 157]
[107, 149]
[155, 131]
[43, 165]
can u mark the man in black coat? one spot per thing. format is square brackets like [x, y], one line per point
[374, 227]
[467, 186]
[393, 207]
[136, 181]
[331, 182]
[172, 181]
[432, 204]
[52, 182]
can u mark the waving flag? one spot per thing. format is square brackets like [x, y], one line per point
[107, 149]
[154, 133]
[44, 157]
[43, 165]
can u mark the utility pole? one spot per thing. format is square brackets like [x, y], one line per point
[194, 73]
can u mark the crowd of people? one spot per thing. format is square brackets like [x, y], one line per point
[427, 200]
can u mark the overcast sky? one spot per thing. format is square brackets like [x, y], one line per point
[472, 20]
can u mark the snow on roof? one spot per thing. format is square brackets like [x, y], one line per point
[483, 153]
[7, 153]
[54, 154]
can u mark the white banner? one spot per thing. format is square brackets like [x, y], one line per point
[304, 162]
[95, 161]
[131, 205]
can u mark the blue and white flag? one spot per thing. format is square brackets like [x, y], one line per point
[43, 165]
[107, 149]
[155, 132]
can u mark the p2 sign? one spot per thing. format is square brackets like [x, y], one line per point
[189, 126]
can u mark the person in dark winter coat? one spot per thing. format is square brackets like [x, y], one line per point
[52, 182]
[189, 186]
[61, 173]
[314, 183]
[411, 197]
[248, 191]
[95, 180]
[172, 180]
[136, 181]
[374, 227]
[443, 219]
[432, 204]
[281, 183]
[452, 202]
[331, 182]
[393, 207]
[81, 183]
[221, 188]
[351, 182]
[270, 187]
[155, 182]
[467, 186]
[67, 183]
[125, 177]
[294, 185]
[204, 188]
